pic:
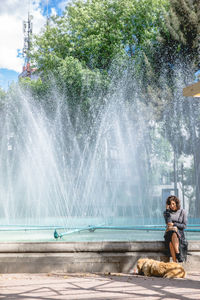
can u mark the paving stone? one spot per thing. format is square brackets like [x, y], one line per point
[97, 286]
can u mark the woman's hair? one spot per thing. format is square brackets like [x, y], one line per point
[175, 199]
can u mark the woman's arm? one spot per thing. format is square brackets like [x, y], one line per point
[182, 225]
[167, 216]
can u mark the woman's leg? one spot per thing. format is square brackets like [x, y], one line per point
[175, 242]
[172, 251]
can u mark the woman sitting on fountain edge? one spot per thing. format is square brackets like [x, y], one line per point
[176, 220]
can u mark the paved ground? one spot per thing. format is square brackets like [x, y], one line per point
[97, 286]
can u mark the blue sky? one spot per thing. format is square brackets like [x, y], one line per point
[12, 15]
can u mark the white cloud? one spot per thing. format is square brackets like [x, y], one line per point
[12, 15]
[53, 12]
[63, 4]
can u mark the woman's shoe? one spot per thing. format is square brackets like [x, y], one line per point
[179, 257]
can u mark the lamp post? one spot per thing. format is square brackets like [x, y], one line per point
[175, 174]
[183, 188]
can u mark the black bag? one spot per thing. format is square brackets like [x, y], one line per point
[183, 244]
[183, 248]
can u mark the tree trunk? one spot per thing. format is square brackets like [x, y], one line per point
[197, 182]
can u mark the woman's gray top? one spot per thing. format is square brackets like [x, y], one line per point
[178, 218]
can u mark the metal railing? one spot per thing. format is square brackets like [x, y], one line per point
[90, 228]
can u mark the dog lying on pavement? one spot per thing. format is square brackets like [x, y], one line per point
[151, 267]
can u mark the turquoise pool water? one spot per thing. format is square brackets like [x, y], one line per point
[86, 236]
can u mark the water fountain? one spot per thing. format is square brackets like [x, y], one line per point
[67, 186]
[60, 176]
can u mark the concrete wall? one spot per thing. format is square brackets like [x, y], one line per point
[85, 256]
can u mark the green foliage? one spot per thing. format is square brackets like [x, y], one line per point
[2, 97]
[82, 48]
[81, 81]
[2, 94]
[38, 88]
[177, 46]
[96, 31]
[181, 33]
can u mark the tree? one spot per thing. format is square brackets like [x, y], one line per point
[95, 32]
[177, 45]
[180, 38]
[2, 94]
[180, 42]
[86, 47]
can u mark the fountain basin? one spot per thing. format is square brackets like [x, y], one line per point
[72, 257]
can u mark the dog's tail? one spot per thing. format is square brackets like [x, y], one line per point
[178, 272]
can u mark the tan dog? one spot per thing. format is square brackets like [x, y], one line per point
[151, 267]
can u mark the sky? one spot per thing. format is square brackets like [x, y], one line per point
[12, 15]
